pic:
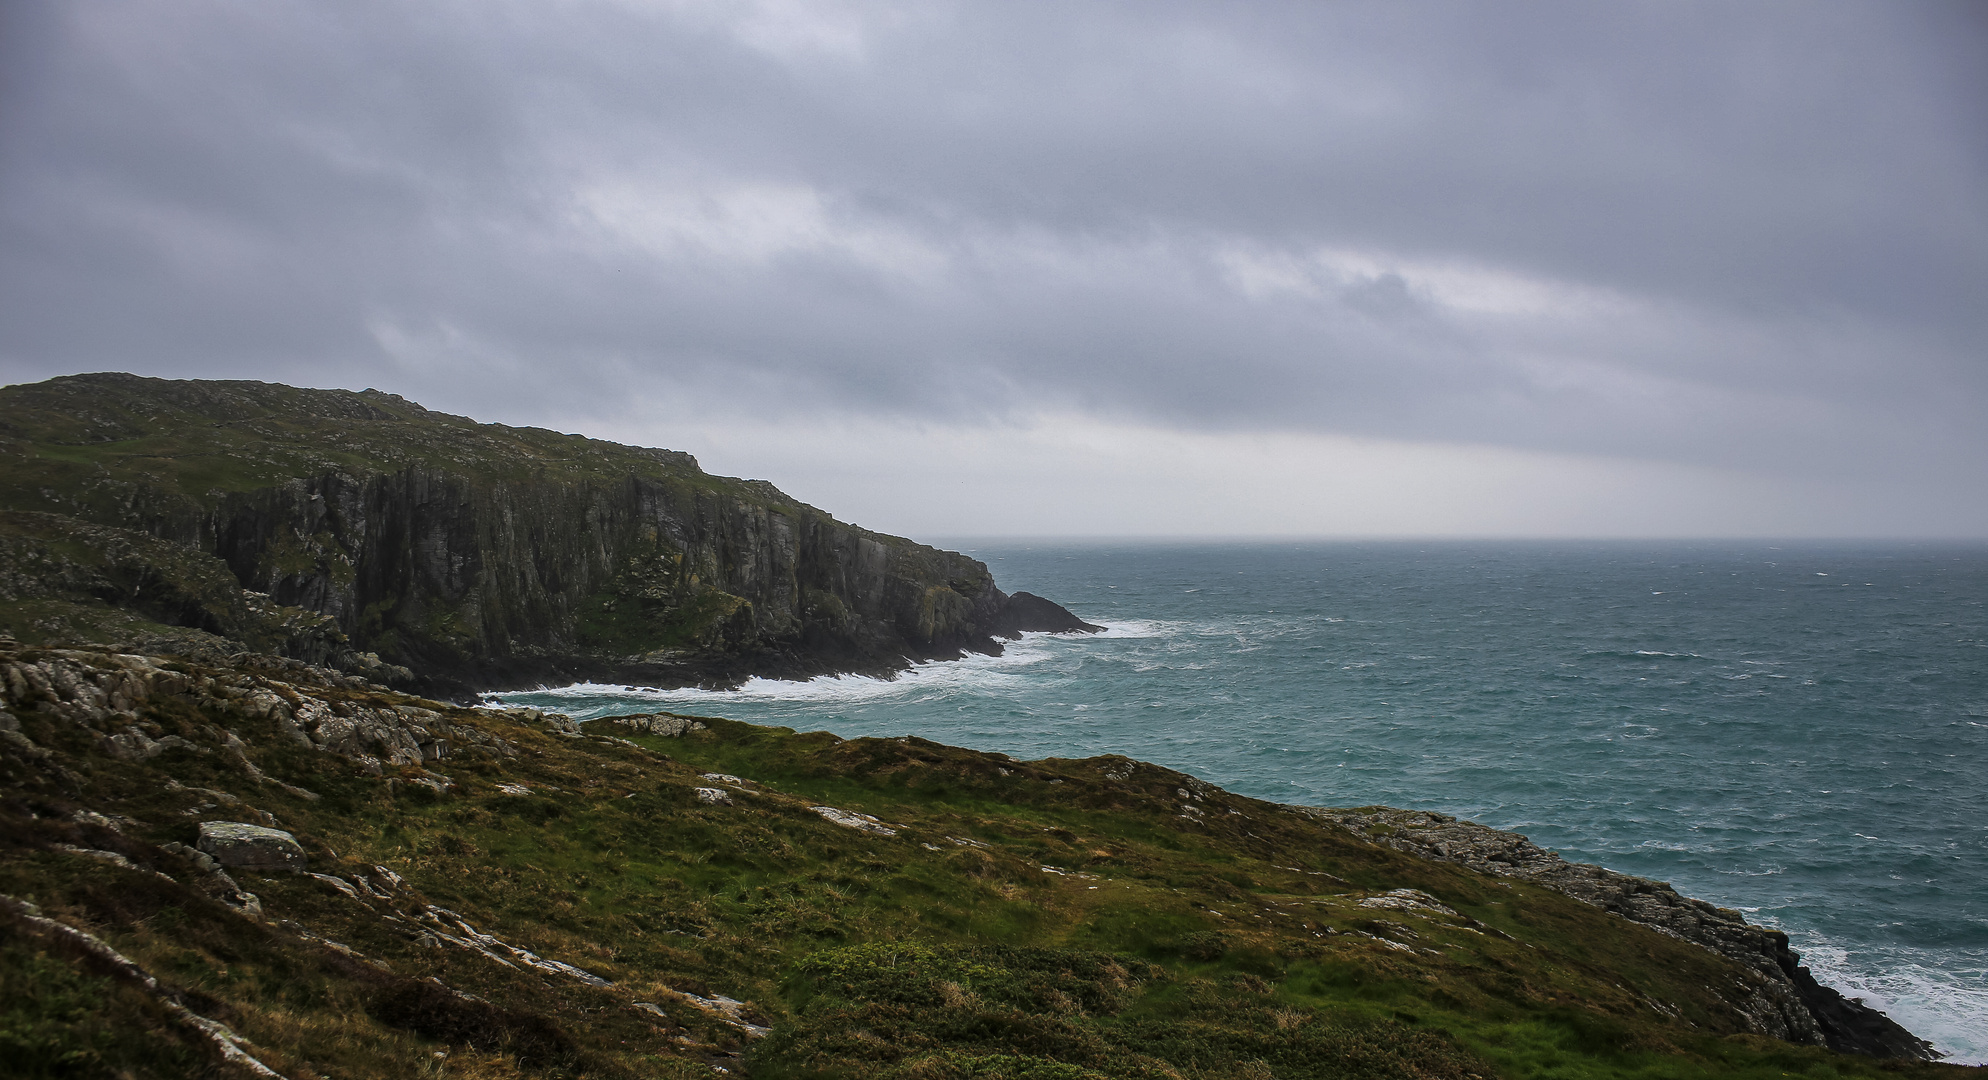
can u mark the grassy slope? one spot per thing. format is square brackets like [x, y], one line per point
[83, 439]
[87, 445]
[1174, 943]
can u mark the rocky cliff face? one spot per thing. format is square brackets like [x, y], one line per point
[483, 556]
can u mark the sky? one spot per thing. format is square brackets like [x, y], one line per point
[1062, 268]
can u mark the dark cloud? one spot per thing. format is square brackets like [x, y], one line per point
[1752, 236]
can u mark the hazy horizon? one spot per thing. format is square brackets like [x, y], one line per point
[1543, 270]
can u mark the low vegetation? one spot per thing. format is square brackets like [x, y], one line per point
[502, 896]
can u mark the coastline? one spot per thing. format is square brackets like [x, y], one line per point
[1787, 1002]
[1783, 1000]
[777, 856]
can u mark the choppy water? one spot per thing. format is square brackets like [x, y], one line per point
[1798, 731]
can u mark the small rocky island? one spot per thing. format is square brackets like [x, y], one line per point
[248, 826]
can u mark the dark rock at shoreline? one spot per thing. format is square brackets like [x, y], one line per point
[432, 552]
[1784, 1001]
[1028, 612]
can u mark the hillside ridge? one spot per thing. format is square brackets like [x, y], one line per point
[262, 867]
[452, 555]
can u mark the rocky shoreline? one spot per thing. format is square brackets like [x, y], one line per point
[104, 693]
[71, 717]
[1783, 999]
[445, 556]
[352, 547]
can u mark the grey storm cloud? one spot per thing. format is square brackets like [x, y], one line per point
[1751, 235]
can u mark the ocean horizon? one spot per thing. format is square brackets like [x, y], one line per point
[1795, 729]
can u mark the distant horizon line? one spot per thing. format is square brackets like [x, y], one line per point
[1096, 539]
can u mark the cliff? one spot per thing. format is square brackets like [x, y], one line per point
[262, 868]
[475, 556]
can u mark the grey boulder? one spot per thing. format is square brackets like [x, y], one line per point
[251, 847]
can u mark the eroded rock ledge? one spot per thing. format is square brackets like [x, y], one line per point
[1785, 1002]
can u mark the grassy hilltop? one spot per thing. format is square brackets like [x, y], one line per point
[498, 894]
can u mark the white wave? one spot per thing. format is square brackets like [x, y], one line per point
[1135, 628]
[1934, 1001]
[926, 681]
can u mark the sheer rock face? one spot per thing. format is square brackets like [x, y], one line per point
[477, 555]
[1783, 1000]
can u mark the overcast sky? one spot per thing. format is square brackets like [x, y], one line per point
[955, 269]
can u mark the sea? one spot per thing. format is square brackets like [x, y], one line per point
[1795, 730]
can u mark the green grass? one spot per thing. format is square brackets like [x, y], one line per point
[1166, 948]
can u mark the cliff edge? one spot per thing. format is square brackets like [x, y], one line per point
[443, 554]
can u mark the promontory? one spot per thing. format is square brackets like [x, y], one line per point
[252, 824]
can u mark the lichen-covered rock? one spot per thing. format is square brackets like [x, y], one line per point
[103, 691]
[557, 721]
[1407, 900]
[251, 847]
[663, 724]
[851, 820]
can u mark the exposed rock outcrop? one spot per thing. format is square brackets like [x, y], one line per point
[387, 540]
[101, 836]
[1026, 611]
[1784, 1001]
[241, 846]
[102, 696]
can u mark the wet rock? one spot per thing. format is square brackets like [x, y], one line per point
[1026, 611]
[251, 847]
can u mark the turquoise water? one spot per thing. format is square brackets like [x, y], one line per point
[1798, 731]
